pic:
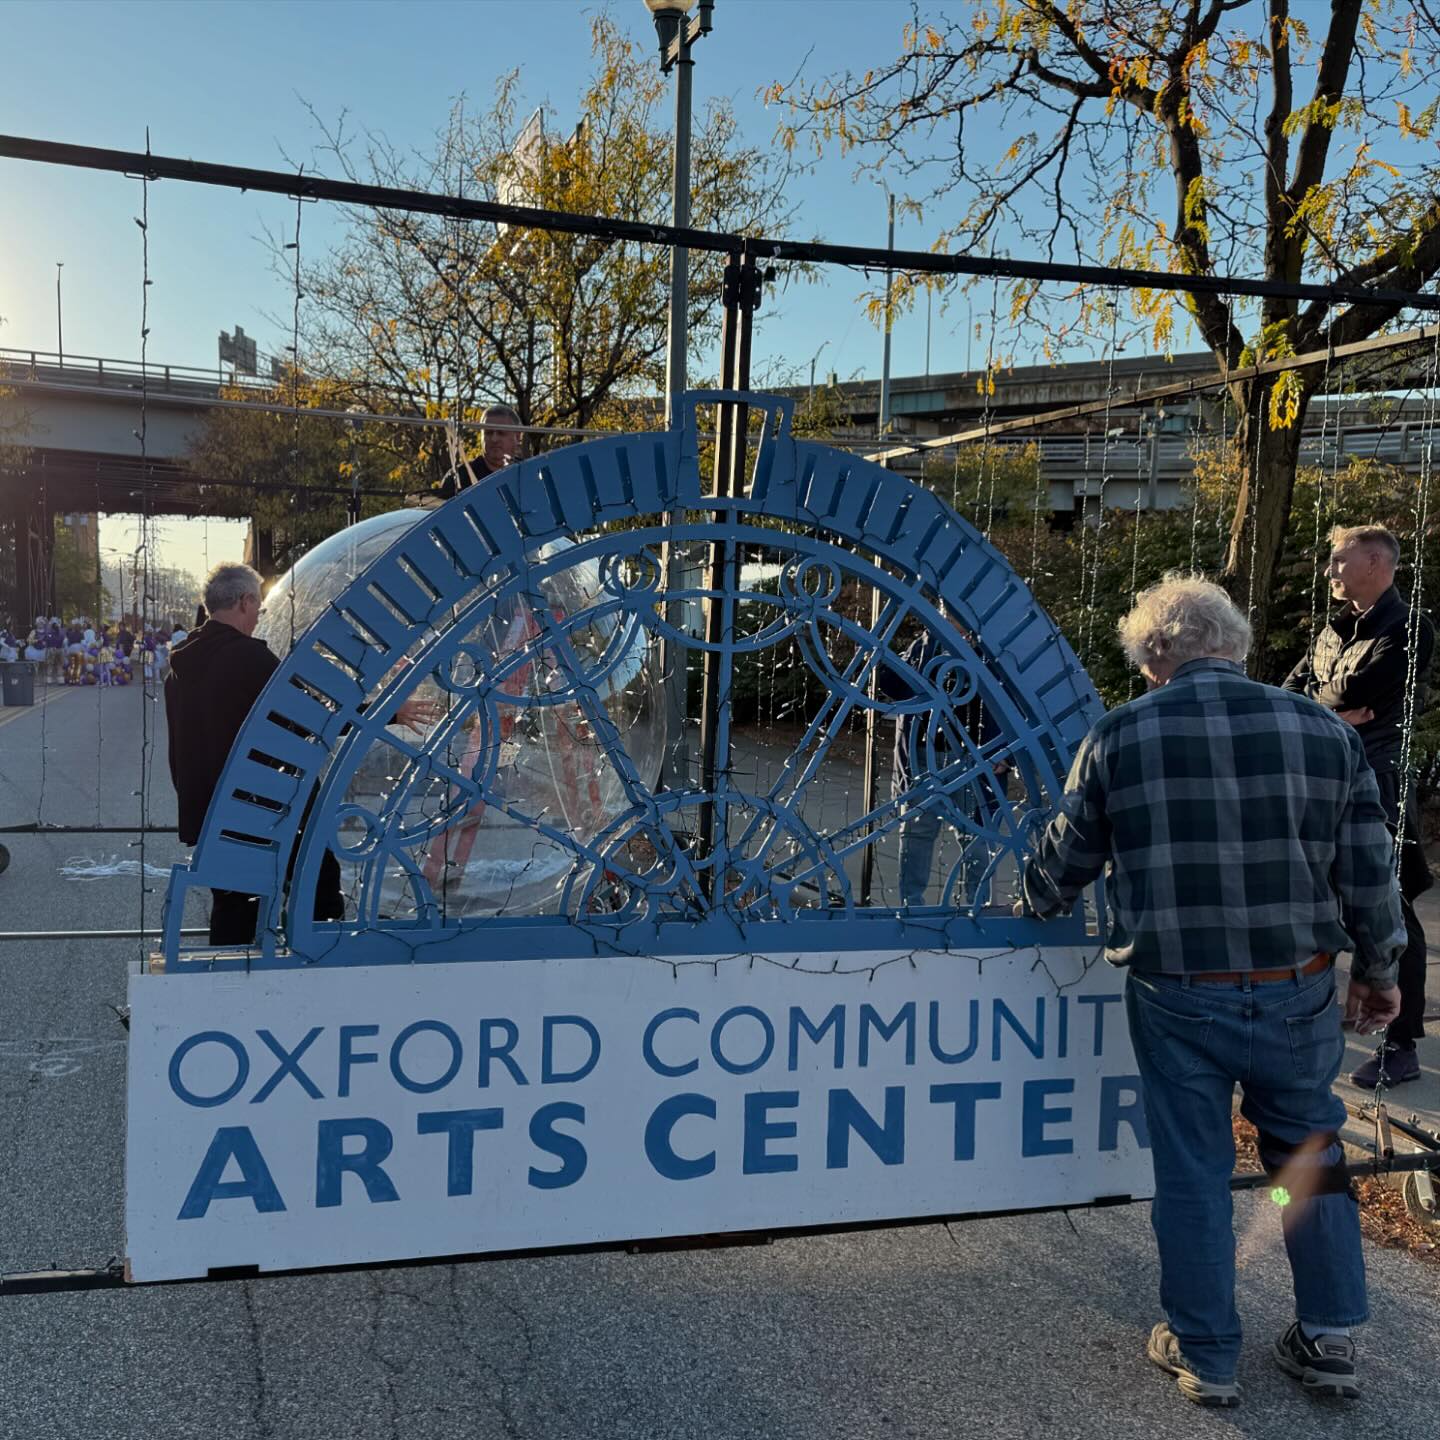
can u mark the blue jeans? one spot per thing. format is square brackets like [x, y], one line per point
[919, 835]
[1280, 1040]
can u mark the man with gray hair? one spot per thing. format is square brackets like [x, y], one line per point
[1244, 844]
[1362, 665]
[216, 673]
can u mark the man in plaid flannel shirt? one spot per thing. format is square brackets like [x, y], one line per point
[1244, 844]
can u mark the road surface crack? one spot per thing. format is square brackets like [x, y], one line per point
[260, 1406]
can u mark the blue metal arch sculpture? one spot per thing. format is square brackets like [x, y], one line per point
[778, 881]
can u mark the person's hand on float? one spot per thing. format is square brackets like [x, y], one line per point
[416, 713]
[1371, 1007]
[1362, 715]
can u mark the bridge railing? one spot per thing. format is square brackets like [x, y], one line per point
[100, 371]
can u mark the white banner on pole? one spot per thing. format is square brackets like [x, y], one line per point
[289, 1119]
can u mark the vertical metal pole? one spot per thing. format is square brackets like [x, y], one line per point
[1152, 488]
[872, 725]
[867, 863]
[678, 338]
[59, 316]
[675, 766]
[929, 308]
[47, 555]
[353, 507]
[749, 299]
[715, 579]
[741, 295]
[889, 296]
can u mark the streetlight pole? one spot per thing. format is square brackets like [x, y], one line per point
[677, 34]
[59, 316]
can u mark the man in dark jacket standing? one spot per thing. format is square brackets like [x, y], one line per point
[215, 676]
[1359, 665]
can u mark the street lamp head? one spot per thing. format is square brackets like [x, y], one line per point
[669, 16]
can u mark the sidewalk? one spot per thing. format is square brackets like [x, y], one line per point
[1420, 1098]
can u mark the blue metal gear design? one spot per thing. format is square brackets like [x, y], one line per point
[465, 603]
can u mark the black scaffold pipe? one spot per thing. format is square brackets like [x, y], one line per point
[864, 257]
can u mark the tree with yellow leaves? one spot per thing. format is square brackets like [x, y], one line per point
[436, 316]
[1291, 141]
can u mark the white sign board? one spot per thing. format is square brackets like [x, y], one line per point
[288, 1119]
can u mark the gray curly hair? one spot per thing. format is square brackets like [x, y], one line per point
[1184, 618]
[228, 584]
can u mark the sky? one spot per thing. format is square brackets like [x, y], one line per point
[229, 81]
[233, 81]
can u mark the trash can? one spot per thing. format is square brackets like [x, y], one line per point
[19, 682]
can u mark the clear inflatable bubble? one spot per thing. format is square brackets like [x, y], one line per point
[503, 715]
[300, 596]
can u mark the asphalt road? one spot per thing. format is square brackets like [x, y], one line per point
[990, 1328]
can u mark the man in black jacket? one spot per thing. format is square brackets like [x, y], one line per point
[215, 676]
[1360, 666]
[501, 442]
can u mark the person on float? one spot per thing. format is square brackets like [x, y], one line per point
[1359, 666]
[1241, 833]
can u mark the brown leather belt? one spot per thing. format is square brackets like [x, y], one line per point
[1321, 962]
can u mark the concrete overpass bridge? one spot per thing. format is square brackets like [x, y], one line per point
[929, 405]
[81, 419]
[82, 450]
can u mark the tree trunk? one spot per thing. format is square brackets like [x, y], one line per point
[1268, 459]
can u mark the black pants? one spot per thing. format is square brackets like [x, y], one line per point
[1415, 879]
[234, 916]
